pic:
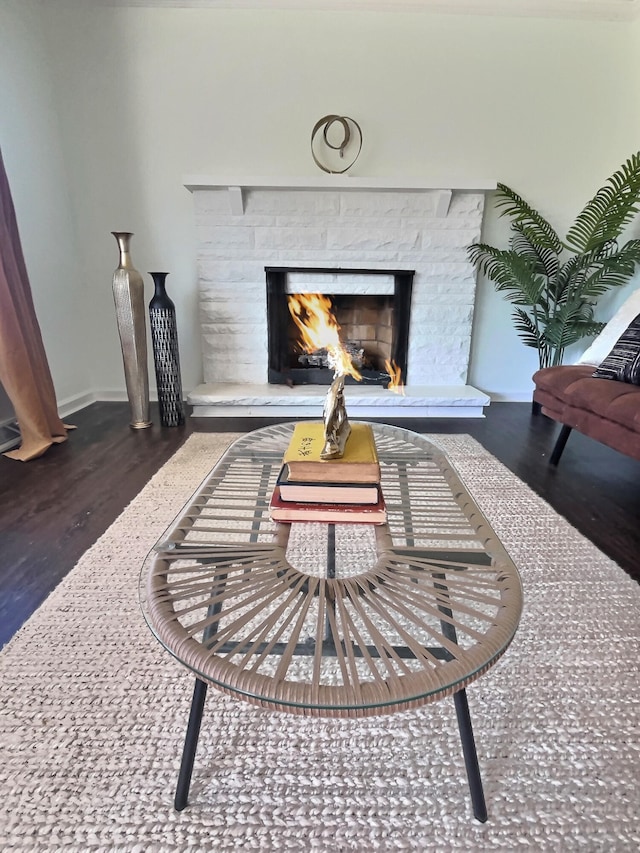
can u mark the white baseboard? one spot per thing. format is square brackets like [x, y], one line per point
[118, 396]
[75, 403]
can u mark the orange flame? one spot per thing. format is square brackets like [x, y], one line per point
[395, 373]
[319, 329]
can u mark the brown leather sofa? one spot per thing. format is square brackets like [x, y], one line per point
[605, 410]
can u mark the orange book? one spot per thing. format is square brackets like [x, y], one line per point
[290, 511]
[358, 464]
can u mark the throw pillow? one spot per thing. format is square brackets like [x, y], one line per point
[623, 362]
[601, 345]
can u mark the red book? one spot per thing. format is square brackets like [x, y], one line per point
[289, 511]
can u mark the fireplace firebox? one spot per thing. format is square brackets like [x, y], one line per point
[374, 323]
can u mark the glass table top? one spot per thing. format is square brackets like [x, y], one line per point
[324, 619]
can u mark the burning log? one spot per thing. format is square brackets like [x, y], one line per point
[321, 357]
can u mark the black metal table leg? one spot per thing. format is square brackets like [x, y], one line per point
[190, 745]
[197, 707]
[463, 715]
[470, 756]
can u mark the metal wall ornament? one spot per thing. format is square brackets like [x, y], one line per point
[323, 148]
[128, 295]
[164, 338]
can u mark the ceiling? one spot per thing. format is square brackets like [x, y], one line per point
[603, 10]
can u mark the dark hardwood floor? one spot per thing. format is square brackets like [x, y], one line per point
[53, 508]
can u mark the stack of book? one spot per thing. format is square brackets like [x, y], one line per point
[329, 490]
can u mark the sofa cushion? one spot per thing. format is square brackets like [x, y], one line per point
[574, 386]
[623, 362]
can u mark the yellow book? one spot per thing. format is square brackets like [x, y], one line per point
[359, 464]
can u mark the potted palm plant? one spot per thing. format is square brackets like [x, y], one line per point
[553, 283]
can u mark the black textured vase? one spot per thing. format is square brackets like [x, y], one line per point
[164, 337]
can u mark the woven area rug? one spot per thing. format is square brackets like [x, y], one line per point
[93, 714]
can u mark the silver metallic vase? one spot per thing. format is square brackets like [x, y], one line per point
[128, 295]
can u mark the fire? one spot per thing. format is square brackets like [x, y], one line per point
[395, 373]
[319, 329]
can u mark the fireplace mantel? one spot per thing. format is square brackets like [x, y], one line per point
[235, 186]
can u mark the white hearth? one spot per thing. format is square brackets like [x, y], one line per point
[345, 223]
[219, 401]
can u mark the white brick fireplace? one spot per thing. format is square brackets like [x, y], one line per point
[342, 223]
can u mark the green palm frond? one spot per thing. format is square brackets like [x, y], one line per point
[611, 272]
[529, 221]
[511, 273]
[590, 328]
[570, 324]
[571, 277]
[543, 261]
[594, 273]
[562, 336]
[610, 210]
[524, 325]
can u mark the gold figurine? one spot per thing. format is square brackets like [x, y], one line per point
[336, 423]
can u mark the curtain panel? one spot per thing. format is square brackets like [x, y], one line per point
[24, 370]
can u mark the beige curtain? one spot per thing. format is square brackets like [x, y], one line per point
[24, 371]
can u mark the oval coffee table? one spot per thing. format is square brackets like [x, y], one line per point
[344, 620]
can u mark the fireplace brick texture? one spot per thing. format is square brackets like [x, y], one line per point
[347, 229]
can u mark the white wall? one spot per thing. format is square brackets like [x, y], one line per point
[30, 142]
[146, 96]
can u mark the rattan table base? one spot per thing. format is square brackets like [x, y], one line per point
[334, 620]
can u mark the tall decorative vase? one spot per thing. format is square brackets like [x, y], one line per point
[128, 294]
[164, 337]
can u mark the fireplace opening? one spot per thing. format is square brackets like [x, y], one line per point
[374, 323]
